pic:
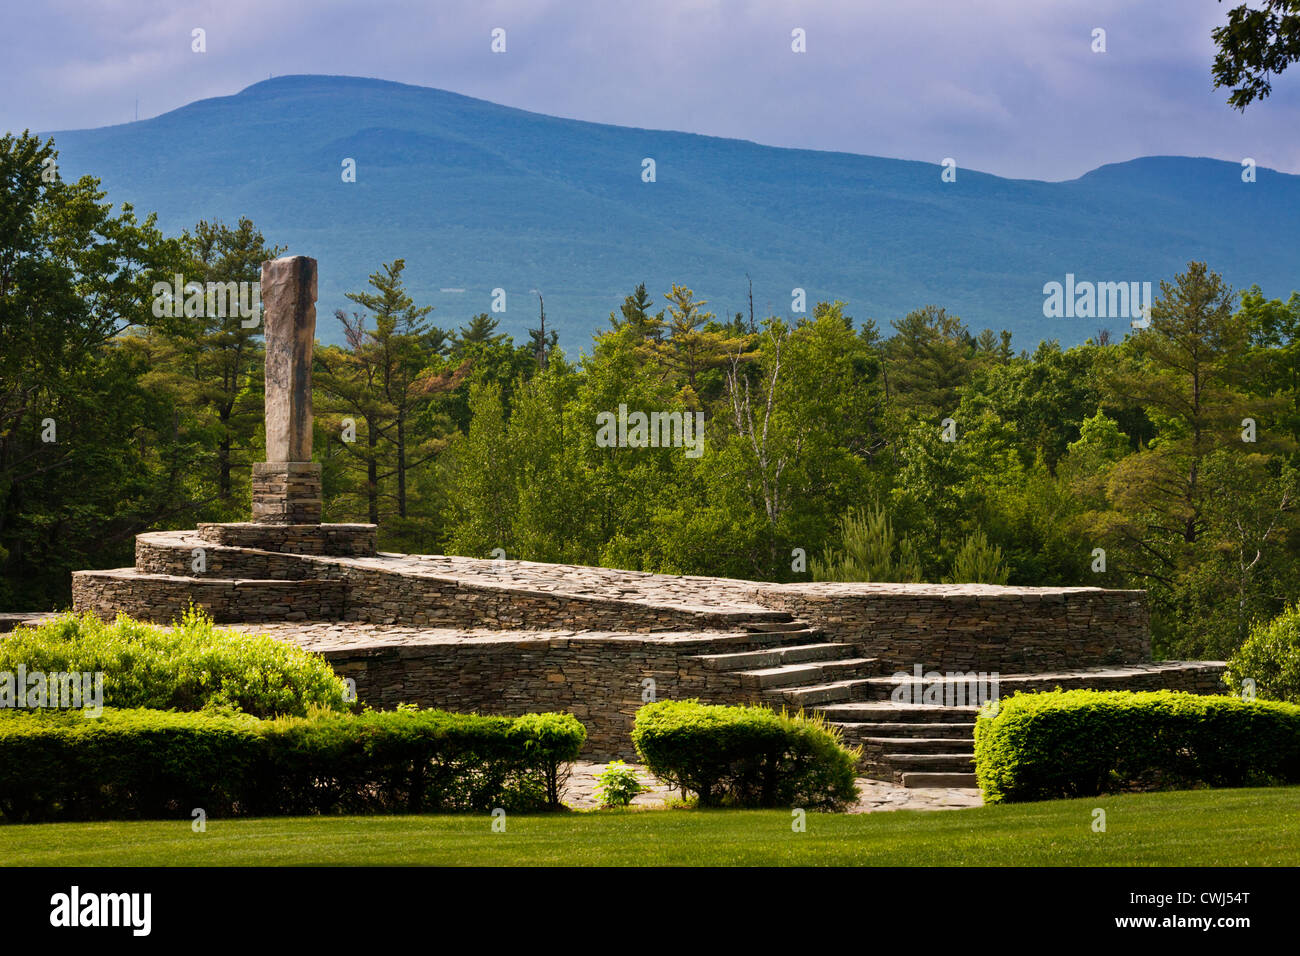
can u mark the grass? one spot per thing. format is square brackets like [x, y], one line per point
[1256, 827]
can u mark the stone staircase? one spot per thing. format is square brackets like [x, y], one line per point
[915, 743]
[789, 664]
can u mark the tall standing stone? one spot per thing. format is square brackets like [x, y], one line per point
[286, 487]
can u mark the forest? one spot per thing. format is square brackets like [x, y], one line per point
[835, 446]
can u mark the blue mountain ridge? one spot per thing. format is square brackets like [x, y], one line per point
[476, 196]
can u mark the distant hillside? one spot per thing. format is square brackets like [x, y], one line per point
[476, 196]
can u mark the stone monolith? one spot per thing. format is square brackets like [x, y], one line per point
[286, 487]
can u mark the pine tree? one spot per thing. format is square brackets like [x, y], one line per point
[387, 375]
[634, 315]
[869, 551]
[977, 562]
[542, 342]
[929, 358]
[213, 361]
[481, 330]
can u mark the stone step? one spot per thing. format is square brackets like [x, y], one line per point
[958, 688]
[946, 690]
[833, 692]
[163, 598]
[916, 745]
[341, 540]
[772, 621]
[932, 763]
[901, 728]
[882, 711]
[801, 675]
[945, 780]
[756, 640]
[791, 654]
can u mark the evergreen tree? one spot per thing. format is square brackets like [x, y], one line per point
[212, 361]
[386, 376]
[928, 359]
[634, 315]
[869, 551]
[481, 330]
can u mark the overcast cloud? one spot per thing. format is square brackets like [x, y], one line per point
[1006, 86]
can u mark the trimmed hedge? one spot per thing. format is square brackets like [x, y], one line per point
[191, 666]
[158, 764]
[1270, 656]
[1083, 743]
[745, 756]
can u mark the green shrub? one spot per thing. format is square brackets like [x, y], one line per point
[190, 666]
[157, 764]
[745, 756]
[1083, 743]
[617, 785]
[1270, 656]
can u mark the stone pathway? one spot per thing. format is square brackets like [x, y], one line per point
[877, 795]
[666, 590]
[325, 636]
[670, 590]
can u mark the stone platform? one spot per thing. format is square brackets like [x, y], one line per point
[334, 574]
[509, 637]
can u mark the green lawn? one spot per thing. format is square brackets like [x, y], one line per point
[1257, 827]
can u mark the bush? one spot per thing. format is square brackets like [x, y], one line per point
[1270, 656]
[1083, 743]
[618, 784]
[157, 764]
[745, 756]
[191, 666]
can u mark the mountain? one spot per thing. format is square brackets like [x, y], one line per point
[477, 196]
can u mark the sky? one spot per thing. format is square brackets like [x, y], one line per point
[1011, 87]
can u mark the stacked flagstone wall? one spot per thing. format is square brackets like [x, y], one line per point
[600, 679]
[975, 627]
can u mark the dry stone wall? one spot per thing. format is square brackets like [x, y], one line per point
[599, 679]
[343, 540]
[974, 627]
[161, 598]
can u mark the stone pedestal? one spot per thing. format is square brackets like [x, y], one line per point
[335, 540]
[286, 492]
